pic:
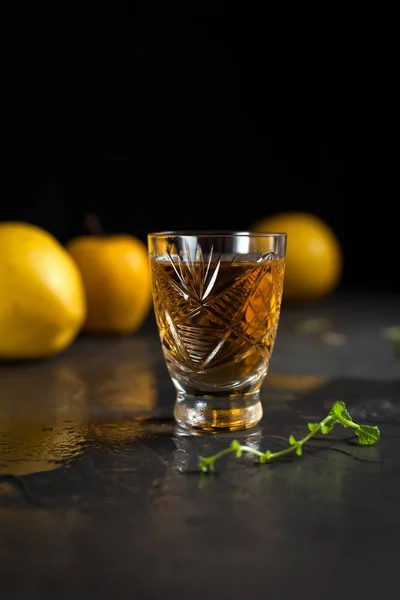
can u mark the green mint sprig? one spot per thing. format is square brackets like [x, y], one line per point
[338, 415]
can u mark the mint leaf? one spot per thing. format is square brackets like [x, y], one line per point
[237, 448]
[313, 427]
[205, 464]
[327, 427]
[299, 451]
[339, 411]
[367, 435]
[292, 440]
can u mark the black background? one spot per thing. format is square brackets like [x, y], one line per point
[201, 115]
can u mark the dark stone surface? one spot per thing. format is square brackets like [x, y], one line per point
[101, 496]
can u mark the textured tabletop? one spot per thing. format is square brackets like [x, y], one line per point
[101, 496]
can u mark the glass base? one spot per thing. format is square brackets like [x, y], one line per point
[209, 413]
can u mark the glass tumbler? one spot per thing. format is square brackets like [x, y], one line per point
[217, 299]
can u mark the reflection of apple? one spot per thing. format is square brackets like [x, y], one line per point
[122, 400]
[295, 383]
[116, 276]
[42, 417]
[131, 387]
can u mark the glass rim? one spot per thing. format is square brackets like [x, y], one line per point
[216, 234]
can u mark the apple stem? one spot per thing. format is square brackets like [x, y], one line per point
[93, 224]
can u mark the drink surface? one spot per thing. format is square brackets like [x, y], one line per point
[217, 321]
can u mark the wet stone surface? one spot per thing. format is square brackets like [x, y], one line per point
[101, 495]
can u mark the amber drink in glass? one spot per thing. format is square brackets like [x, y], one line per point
[217, 300]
